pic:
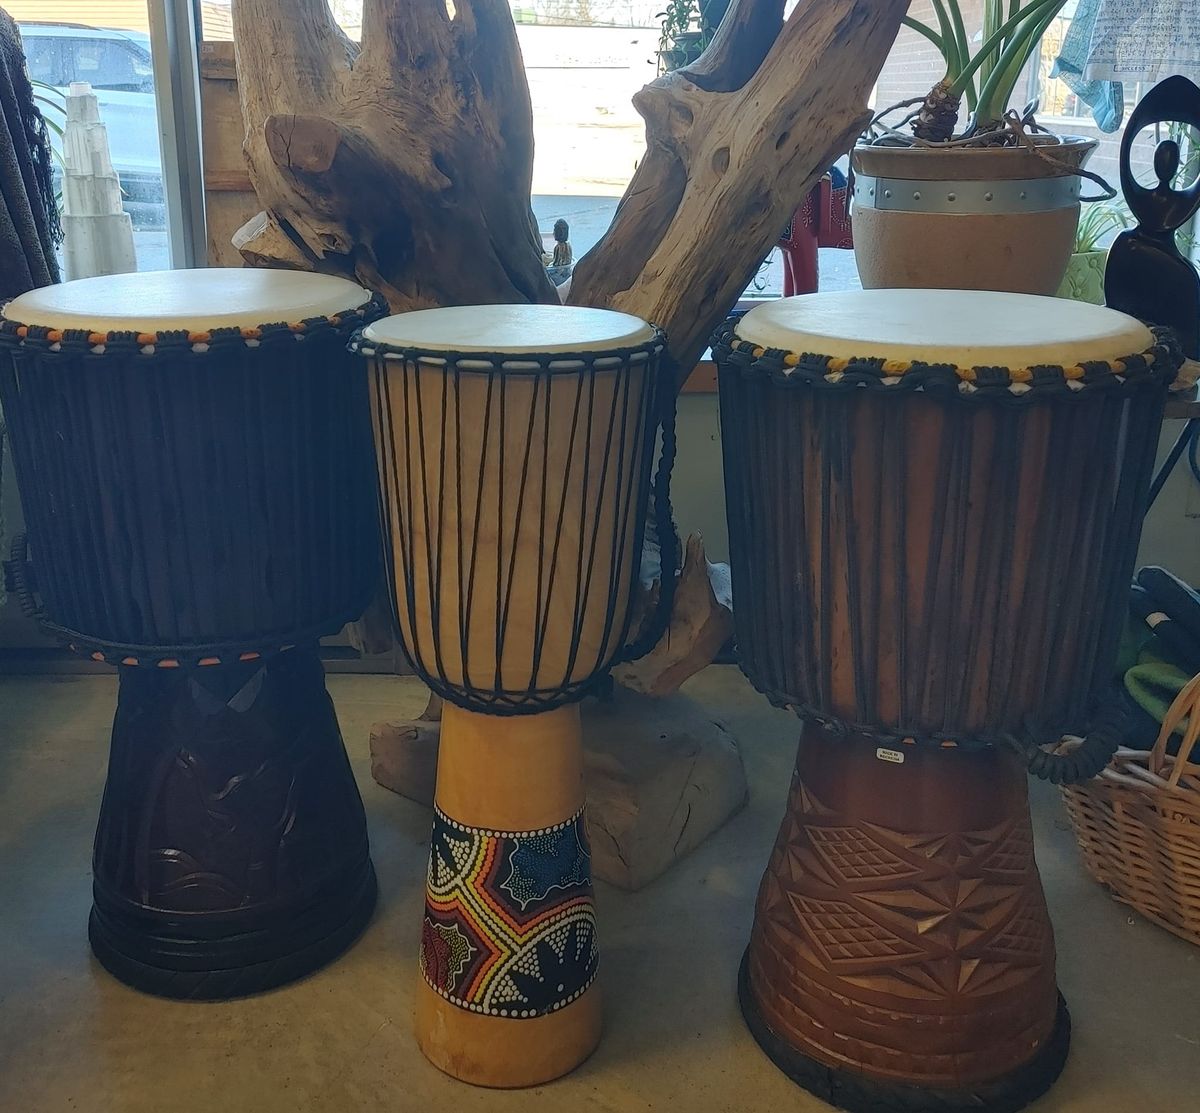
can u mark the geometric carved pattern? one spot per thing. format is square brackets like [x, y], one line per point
[510, 923]
[919, 955]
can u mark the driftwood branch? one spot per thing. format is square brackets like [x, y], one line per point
[731, 151]
[407, 163]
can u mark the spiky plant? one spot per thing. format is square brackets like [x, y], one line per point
[986, 78]
[53, 106]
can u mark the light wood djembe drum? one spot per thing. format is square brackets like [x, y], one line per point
[934, 505]
[197, 488]
[514, 446]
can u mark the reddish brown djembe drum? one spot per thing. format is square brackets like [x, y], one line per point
[934, 505]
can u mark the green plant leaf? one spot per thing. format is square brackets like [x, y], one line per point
[994, 46]
[995, 93]
[964, 48]
[928, 32]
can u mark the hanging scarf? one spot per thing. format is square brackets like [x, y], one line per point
[29, 223]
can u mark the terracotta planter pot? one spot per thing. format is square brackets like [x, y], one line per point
[997, 218]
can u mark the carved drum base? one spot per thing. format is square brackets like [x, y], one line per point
[902, 955]
[231, 854]
[507, 996]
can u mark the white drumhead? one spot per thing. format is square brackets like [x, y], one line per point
[195, 300]
[515, 329]
[969, 328]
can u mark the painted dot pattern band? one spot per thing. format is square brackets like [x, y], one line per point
[510, 920]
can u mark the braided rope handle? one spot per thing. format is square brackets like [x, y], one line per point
[1082, 762]
[664, 519]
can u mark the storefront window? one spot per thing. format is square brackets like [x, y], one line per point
[107, 45]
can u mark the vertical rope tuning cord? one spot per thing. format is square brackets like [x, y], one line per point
[930, 557]
[513, 492]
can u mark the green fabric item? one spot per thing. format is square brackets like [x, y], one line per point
[1135, 637]
[1153, 685]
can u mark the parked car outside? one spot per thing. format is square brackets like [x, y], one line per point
[117, 64]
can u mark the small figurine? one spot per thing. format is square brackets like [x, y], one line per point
[563, 256]
[1147, 276]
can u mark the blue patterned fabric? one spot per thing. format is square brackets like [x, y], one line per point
[1105, 98]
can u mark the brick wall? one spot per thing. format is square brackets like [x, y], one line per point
[915, 65]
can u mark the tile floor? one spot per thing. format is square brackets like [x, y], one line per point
[72, 1040]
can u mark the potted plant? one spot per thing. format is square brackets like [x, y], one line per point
[1084, 278]
[687, 28]
[993, 207]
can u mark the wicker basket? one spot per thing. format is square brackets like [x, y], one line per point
[1138, 823]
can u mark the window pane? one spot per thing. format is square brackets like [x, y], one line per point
[108, 46]
[44, 60]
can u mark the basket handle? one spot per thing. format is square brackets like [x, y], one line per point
[1186, 705]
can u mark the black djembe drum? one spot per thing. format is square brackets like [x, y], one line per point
[515, 447]
[934, 501]
[198, 491]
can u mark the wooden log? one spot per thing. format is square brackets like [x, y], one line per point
[229, 199]
[732, 147]
[262, 242]
[661, 775]
[701, 623]
[409, 162]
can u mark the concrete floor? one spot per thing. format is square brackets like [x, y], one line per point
[72, 1040]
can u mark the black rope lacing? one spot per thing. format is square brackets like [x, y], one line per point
[35, 358]
[986, 384]
[575, 527]
[789, 656]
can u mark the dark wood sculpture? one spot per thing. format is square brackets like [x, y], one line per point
[1147, 275]
[231, 854]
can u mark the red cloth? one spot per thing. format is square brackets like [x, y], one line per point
[823, 220]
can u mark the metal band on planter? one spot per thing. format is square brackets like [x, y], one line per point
[196, 486]
[514, 446]
[932, 526]
[1017, 195]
